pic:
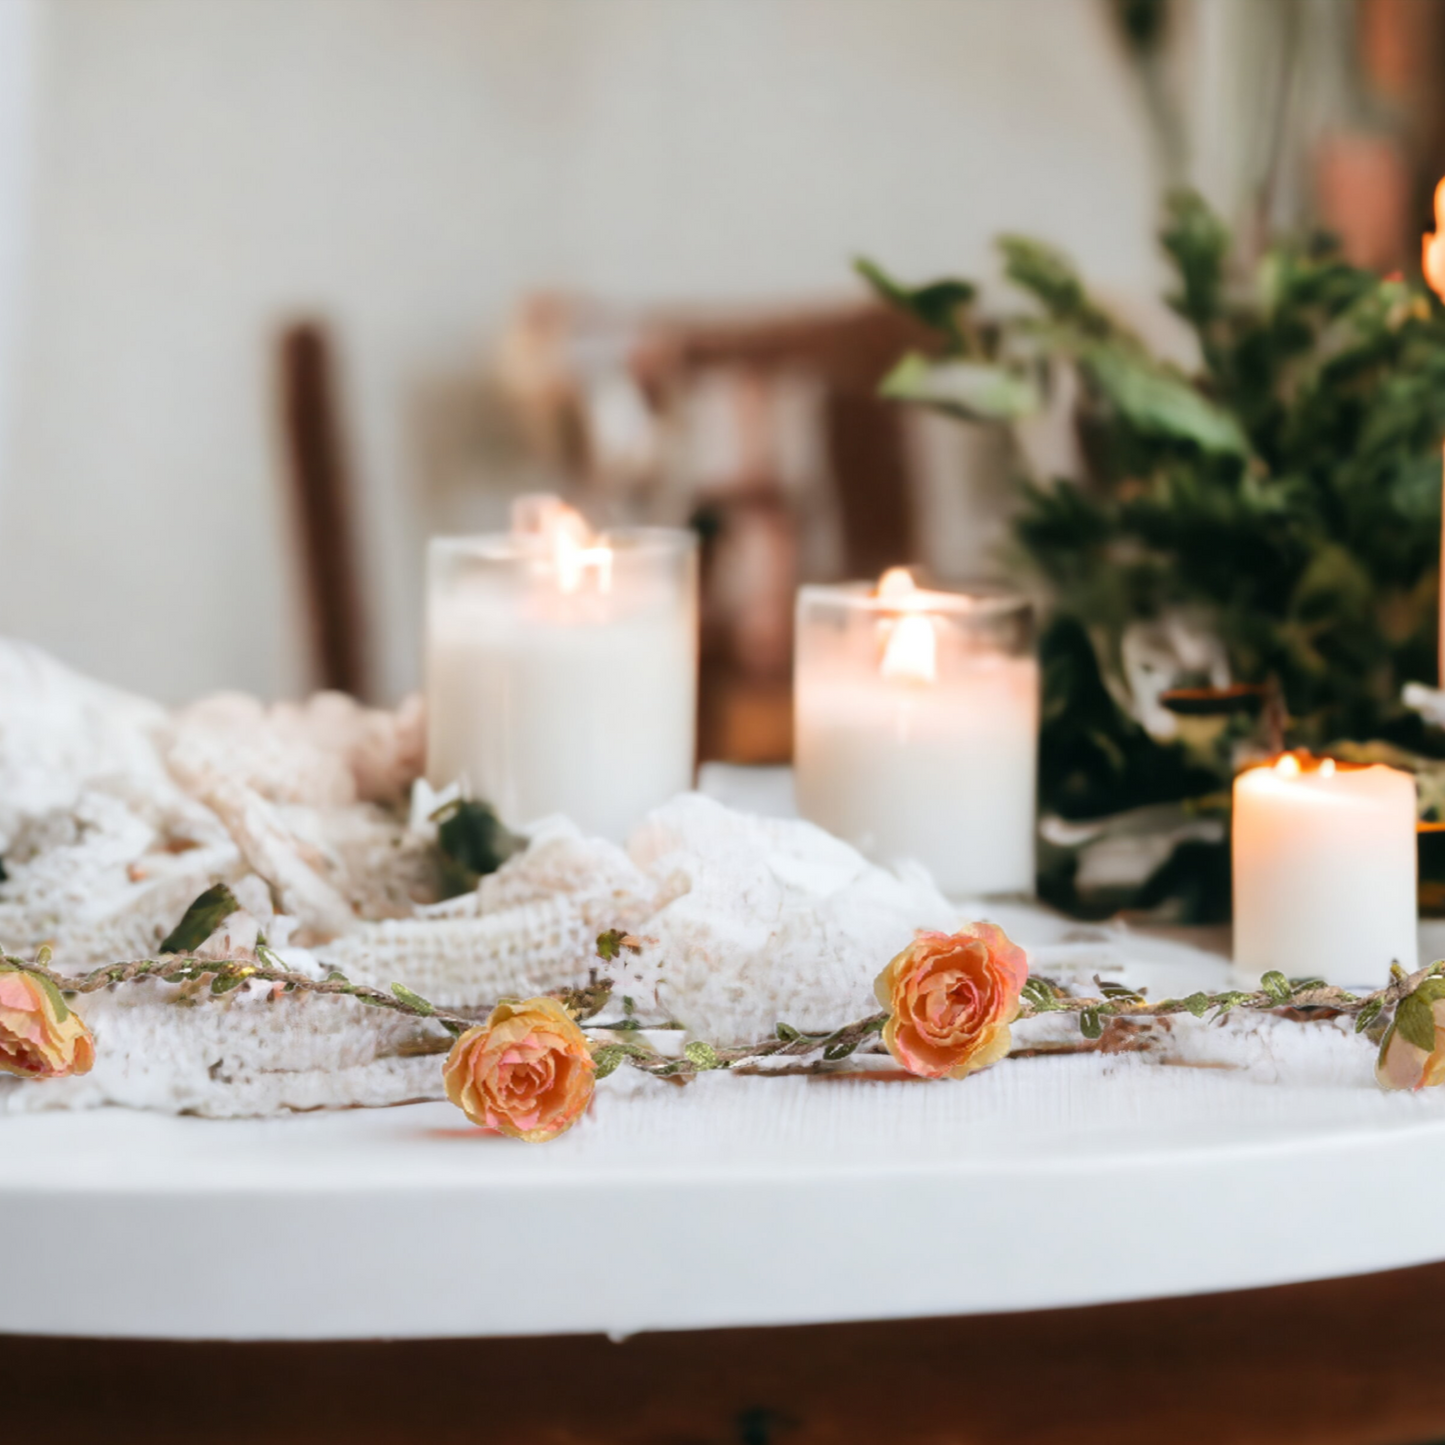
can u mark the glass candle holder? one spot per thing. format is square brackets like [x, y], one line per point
[916, 718]
[561, 669]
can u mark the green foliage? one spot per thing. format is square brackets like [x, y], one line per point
[472, 841]
[201, 920]
[936, 305]
[1286, 492]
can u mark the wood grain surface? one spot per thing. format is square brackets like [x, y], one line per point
[1347, 1362]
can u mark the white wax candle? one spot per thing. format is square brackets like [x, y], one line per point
[565, 687]
[1324, 871]
[923, 748]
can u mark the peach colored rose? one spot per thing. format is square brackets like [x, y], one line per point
[40, 1036]
[1412, 1053]
[527, 1071]
[950, 1000]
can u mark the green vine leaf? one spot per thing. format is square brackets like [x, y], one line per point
[608, 1056]
[1276, 986]
[703, 1056]
[1368, 1015]
[611, 944]
[1090, 1024]
[1120, 991]
[607, 1059]
[1040, 995]
[1415, 1021]
[413, 1001]
[201, 920]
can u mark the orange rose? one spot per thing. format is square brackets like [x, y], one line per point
[40, 1037]
[527, 1071]
[950, 999]
[1412, 1053]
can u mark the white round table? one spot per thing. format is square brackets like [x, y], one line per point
[1040, 1183]
[733, 1202]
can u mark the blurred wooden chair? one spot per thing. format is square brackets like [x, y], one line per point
[569, 367]
[323, 501]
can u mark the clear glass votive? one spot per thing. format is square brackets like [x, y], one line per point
[561, 668]
[916, 719]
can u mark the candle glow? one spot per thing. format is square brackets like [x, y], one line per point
[561, 534]
[910, 646]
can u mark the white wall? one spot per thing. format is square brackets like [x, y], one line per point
[203, 167]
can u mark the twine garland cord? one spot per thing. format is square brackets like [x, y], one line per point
[1041, 996]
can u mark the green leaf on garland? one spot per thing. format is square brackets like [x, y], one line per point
[1090, 1024]
[1276, 986]
[1415, 1021]
[413, 1000]
[201, 920]
[607, 1058]
[1368, 1015]
[1120, 991]
[788, 1033]
[1038, 994]
[702, 1056]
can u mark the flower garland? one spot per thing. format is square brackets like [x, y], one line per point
[529, 1069]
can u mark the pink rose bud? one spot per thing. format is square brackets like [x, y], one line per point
[950, 999]
[40, 1036]
[1412, 1053]
[527, 1072]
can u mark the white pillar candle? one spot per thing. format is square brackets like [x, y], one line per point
[1324, 871]
[916, 718]
[561, 668]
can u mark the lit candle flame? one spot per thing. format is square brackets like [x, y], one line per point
[1288, 766]
[555, 528]
[896, 582]
[1432, 257]
[911, 651]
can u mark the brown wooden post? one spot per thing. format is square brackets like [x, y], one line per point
[325, 509]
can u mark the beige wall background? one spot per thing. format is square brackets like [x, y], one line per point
[181, 175]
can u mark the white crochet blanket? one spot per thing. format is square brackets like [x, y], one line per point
[115, 814]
